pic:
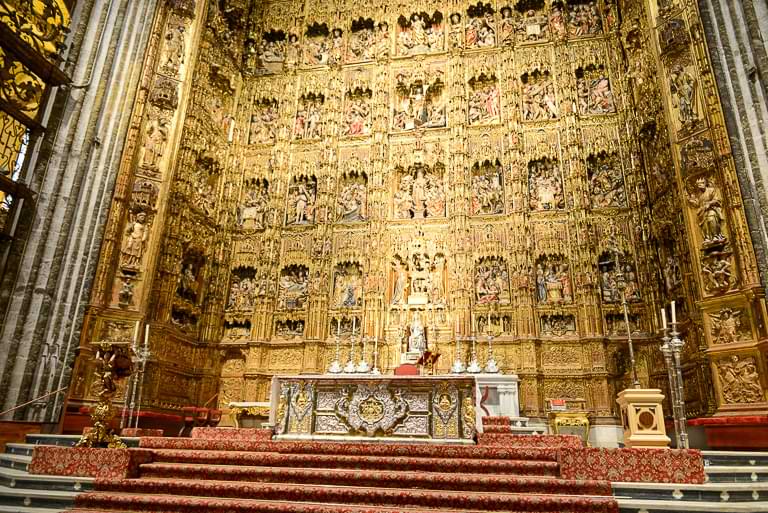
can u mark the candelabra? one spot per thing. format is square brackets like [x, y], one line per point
[350, 367]
[671, 349]
[142, 356]
[363, 367]
[458, 365]
[621, 284]
[335, 367]
[473, 367]
[375, 370]
[491, 367]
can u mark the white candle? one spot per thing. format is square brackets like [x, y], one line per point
[136, 333]
[674, 317]
[664, 319]
[146, 334]
[488, 326]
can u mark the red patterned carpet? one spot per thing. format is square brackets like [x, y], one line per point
[218, 471]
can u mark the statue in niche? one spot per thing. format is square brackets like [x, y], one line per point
[289, 329]
[584, 19]
[337, 47]
[382, 40]
[134, 241]
[319, 45]
[553, 280]
[727, 327]
[484, 100]
[347, 286]
[253, 209]
[594, 91]
[609, 284]
[419, 103]
[351, 204]
[362, 40]
[421, 33]
[420, 193]
[293, 285]
[271, 52]
[243, 290]
[206, 197]
[492, 281]
[506, 27]
[187, 285]
[154, 143]
[455, 32]
[558, 325]
[545, 185]
[399, 290]
[539, 102]
[684, 99]
[708, 202]
[606, 183]
[237, 330]
[557, 21]
[302, 196]
[673, 277]
[292, 52]
[616, 325]
[740, 380]
[309, 123]
[532, 25]
[417, 342]
[437, 280]
[263, 126]
[173, 52]
[487, 188]
[357, 112]
[481, 27]
[716, 268]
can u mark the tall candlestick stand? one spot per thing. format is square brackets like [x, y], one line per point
[473, 367]
[671, 349]
[335, 367]
[491, 367]
[349, 368]
[621, 284]
[458, 364]
[376, 370]
[363, 367]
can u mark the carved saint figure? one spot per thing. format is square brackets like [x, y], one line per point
[263, 125]
[455, 32]
[487, 189]
[532, 26]
[606, 182]
[740, 380]
[420, 33]
[301, 201]
[351, 203]
[293, 285]
[271, 52]
[492, 281]
[419, 104]
[557, 21]
[173, 53]
[717, 273]
[683, 88]
[136, 234]
[709, 210]
[253, 209]
[584, 19]
[419, 195]
[347, 286]
[483, 102]
[544, 182]
[553, 281]
[401, 280]
[539, 102]
[726, 326]
[362, 41]
[357, 113]
[417, 341]
[154, 145]
[308, 123]
[506, 27]
[480, 31]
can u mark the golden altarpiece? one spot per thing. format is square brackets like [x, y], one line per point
[299, 167]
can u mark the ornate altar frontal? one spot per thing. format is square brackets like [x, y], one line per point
[438, 408]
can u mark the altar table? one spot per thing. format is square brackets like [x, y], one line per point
[359, 408]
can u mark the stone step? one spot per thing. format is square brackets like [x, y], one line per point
[15, 461]
[737, 474]
[735, 458]
[709, 492]
[19, 449]
[57, 499]
[650, 506]
[19, 479]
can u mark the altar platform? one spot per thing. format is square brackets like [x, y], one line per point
[367, 407]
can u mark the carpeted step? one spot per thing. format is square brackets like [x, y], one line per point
[359, 495]
[367, 449]
[404, 463]
[126, 502]
[372, 478]
[228, 433]
[510, 439]
[496, 421]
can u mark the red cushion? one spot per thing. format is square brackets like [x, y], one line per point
[407, 369]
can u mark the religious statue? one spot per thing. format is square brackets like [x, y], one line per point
[487, 188]
[347, 286]
[553, 281]
[484, 102]
[399, 295]
[606, 181]
[672, 276]
[357, 113]
[308, 123]
[420, 34]
[293, 285]
[740, 380]
[709, 210]
[134, 241]
[480, 31]
[717, 273]
[263, 125]
[271, 52]
[154, 144]
[455, 32]
[253, 209]
[683, 88]
[532, 26]
[557, 21]
[544, 182]
[417, 342]
[727, 327]
[362, 41]
[242, 293]
[419, 196]
[351, 202]
[506, 27]
[419, 104]
[187, 284]
[584, 19]
[492, 281]
[539, 103]
[301, 201]
[437, 281]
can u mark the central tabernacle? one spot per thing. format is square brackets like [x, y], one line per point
[428, 408]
